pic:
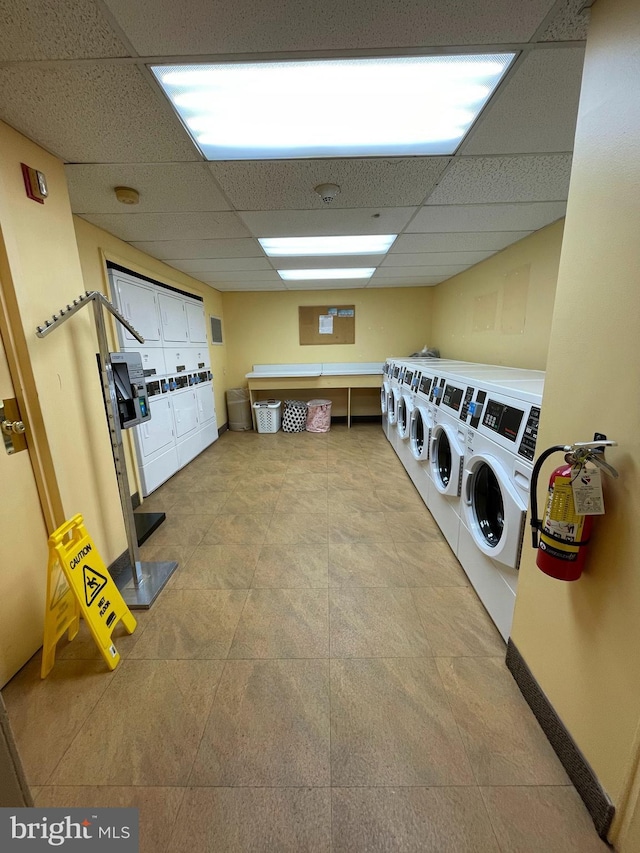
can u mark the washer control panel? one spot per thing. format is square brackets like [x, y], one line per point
[528, 444]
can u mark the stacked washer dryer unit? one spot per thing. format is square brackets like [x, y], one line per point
[500, 446]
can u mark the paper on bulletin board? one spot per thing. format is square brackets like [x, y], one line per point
[325, 324]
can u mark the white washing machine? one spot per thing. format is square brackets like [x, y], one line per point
[420, 426]
[385, 391]
[394, 402]
[406, 407]
[496, 482]
[446, 457]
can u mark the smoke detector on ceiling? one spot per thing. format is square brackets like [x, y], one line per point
[327, 192]
[127, 195]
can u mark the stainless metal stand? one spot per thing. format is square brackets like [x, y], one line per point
[147, 579]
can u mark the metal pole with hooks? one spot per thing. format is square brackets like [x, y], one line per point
[147, 579]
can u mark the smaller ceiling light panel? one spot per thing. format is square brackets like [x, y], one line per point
[310, 275]
[289, 247]
[385, 107]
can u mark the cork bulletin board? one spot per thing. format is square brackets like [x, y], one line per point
[327, 324]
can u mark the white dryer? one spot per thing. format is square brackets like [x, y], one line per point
[446, 458]
[495, 495]
[406, 407]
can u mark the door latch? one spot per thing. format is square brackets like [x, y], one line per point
[12, 427]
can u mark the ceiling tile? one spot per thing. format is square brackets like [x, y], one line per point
[182, 249]
[240, 275]
[157, 27]
[418, 272]
[309, 223]
[536, 110]
[407, 282]
[92, 113]
[570, 22]
[226, 286]
[461, 241]
[487, 217]
[327, 262]
[209, 265]
[168, 226]
[484, 180]
[334, 284]
[55, 29]
[434, 259]
[276, 185]
[163, 187]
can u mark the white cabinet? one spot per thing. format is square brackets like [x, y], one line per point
[138, 304]
[173, 318]
[196, 323]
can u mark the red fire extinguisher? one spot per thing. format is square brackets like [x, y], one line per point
[564, 533]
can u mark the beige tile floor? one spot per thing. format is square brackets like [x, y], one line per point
[310, 679]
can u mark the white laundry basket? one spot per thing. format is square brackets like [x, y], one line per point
[268, 415]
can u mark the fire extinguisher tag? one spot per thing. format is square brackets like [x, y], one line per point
[587, 490]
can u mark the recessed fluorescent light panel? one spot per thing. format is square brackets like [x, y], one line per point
[309, 275]
[288, 247]
[393, 106]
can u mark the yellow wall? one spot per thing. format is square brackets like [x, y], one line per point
[93, 241]
[582, 640]
[499, 311]
[51, 263]
[45, 270]
[262, 328]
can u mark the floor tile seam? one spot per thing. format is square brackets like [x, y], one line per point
[449, 701]
[170, 830]
[116, 675]
[196, 751]
[491, 824]
[235, 631]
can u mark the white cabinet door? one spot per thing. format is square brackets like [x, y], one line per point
[185, 412]
[196, 323]
[156, 434]
[206, 403]
[173, 317]
[139, 306]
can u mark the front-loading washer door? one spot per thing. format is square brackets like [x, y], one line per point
[405, 407]
[419, 434]
[393, 402]
[445, 458]
[385, 390]
[493, 511]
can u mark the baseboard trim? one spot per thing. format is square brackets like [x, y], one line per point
[578, 768]
[223, 428]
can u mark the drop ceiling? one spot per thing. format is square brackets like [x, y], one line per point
[74, 77]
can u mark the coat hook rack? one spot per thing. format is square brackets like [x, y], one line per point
[147, 579]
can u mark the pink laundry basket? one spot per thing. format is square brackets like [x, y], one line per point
[319, 416]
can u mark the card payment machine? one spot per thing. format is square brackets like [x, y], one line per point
[130, 388]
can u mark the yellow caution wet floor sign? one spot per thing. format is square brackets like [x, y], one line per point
[79, 583]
